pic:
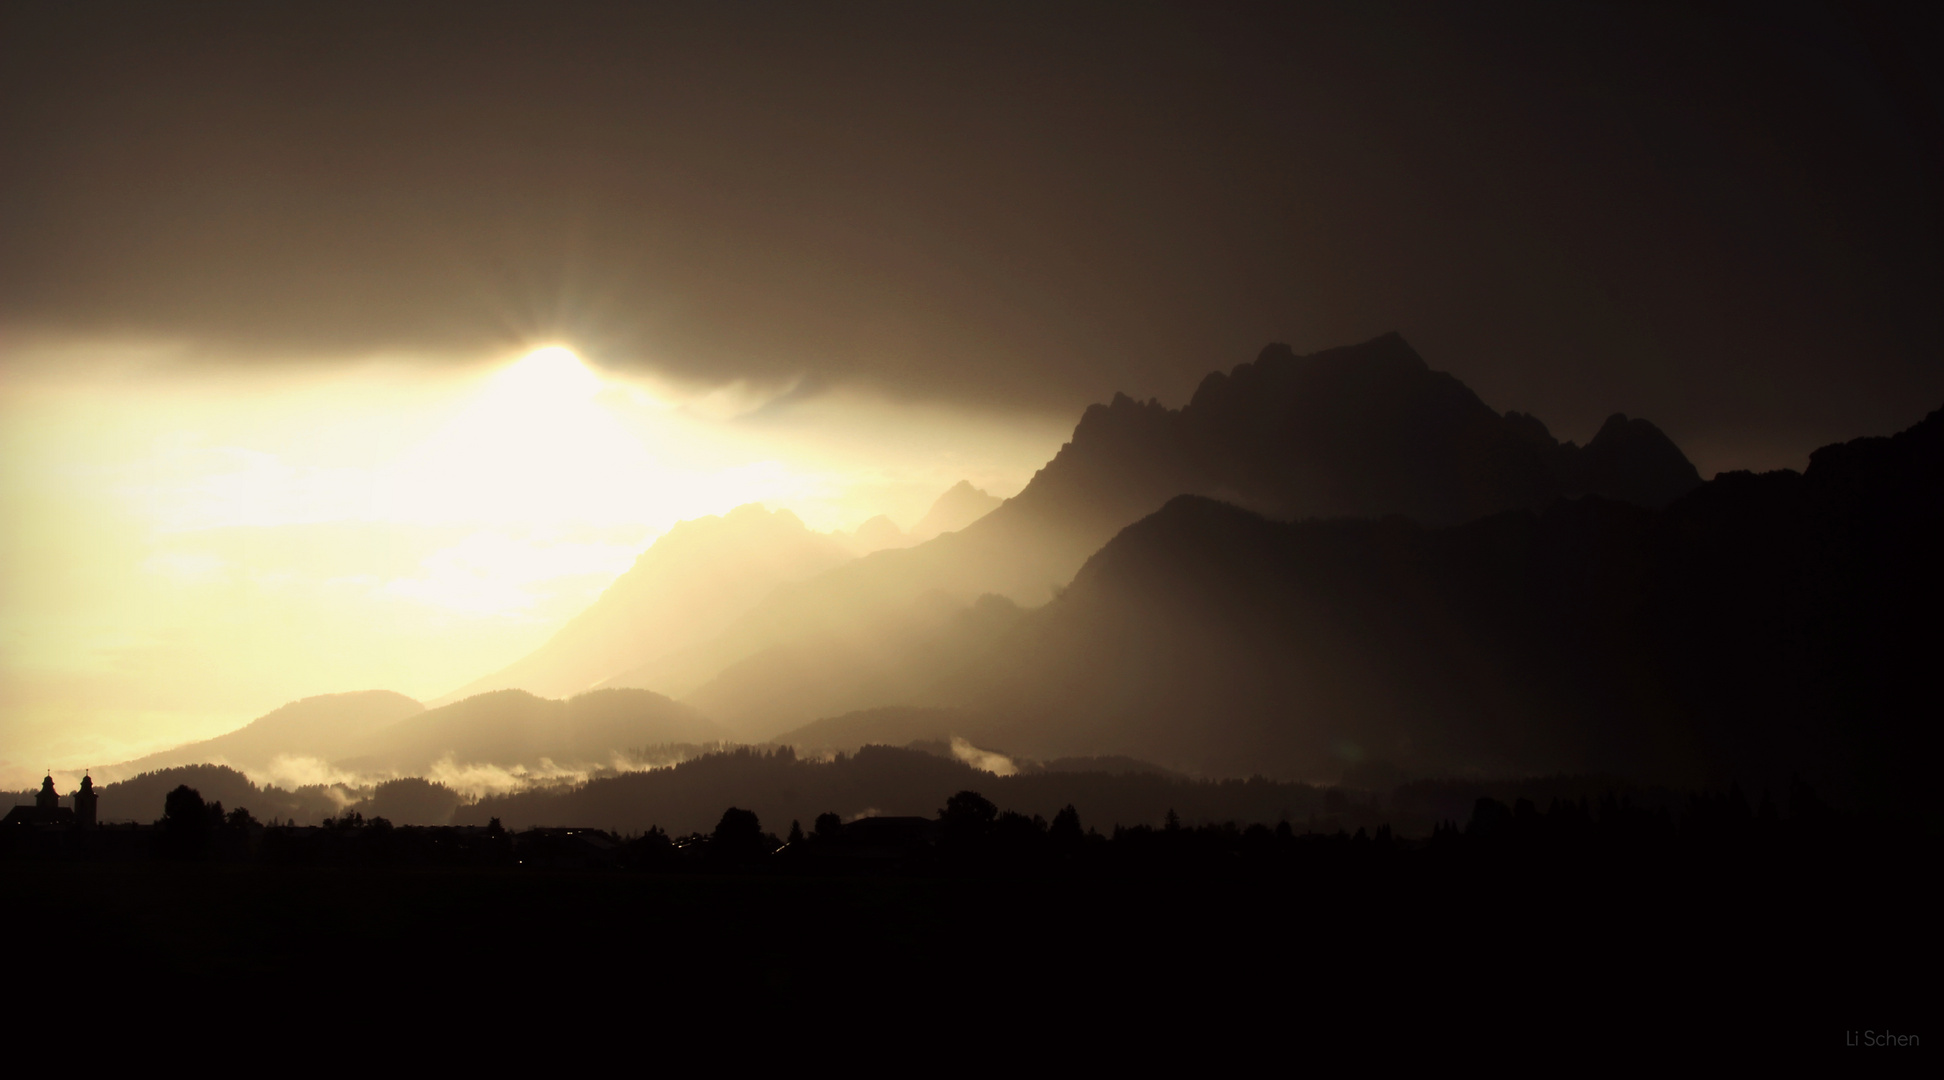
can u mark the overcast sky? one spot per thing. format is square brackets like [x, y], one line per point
[1727, 222]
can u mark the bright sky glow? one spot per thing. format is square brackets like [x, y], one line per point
[187, 547]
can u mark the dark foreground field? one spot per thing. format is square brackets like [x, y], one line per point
[1776, 956]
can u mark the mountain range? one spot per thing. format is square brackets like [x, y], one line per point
[1366, 430]
[323, 728]
[689, 586]
[1320, 564]
[961, 505]
[1757, 627]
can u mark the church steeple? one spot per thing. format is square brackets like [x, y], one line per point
[84, 801]
[47, 798]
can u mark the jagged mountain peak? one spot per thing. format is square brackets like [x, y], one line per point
[1386, 353]
[1361, 430]
[1121, 415]
[1634, 461]
[960, 505]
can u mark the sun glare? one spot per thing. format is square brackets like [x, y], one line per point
[534, 449]
[553, 372]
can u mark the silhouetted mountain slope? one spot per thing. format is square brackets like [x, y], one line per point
[1366, 429]
[654, 627]
[961, 505]
[326, 727]
[875, 534]
[689, 586]
[1629, 460]
[1799, 613]
[1757, 626]
[1370, 430]
[1212, 639]
[943, 733]
[890, 725]
[878, 780]
[1019, 556]
[1113, 764]
[895, 654]
[514, 728]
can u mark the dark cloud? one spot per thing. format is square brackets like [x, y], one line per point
[1725, 220]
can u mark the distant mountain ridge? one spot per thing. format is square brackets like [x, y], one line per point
[760, 626]
[895, 656]
[1359, 431]
[690, 585]
[1366, 429]
[1758, 626]
[512, 728]
[326, 727]
[961, 505]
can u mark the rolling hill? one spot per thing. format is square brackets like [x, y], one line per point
[512, 728]
[326, 728]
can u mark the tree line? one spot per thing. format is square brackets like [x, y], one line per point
[970, 834]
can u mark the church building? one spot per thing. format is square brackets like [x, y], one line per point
[47, 808]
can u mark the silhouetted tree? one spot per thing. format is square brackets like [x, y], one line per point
[499, 843]
[968, 810]
[828, 826]
[739, 835]
[181, 806]
[651, 850]
[966, 821]
[1065, 830]
[348, 821]
[185, 823]
[796, 832]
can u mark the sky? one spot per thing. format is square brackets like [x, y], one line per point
[268, 274]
